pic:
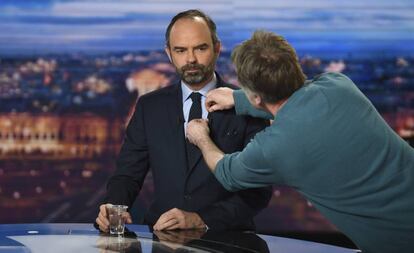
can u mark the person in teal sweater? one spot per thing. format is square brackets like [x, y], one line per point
[327, 141]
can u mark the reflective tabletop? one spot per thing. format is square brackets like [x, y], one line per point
[79, 238]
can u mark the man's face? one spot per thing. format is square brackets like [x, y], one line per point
[192, 52]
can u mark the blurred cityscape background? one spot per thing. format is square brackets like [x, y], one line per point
[71, 71]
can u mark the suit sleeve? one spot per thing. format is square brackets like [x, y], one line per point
[233, 212]
[132, 163]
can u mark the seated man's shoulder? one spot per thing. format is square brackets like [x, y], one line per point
[157, 95]
[231, 86]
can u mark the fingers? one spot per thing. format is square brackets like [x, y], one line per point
[169, 225]
[210, 103]
[212, 93]
[197, 125]
[102, 226]
[219, 99]
[201, 121]
[127, 217]
[164, 218]
[102, 209]
[197, 130]
[214, 107]
[174, 227]
[213, 103]
[102, 219]
[169, 220]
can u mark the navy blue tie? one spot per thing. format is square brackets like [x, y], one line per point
[195, 110]
[193, 153]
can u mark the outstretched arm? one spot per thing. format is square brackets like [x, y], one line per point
[237, 171]
[241, 206]
[226, 98]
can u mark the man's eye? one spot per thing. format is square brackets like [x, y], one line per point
[202, 48]
[179, 51]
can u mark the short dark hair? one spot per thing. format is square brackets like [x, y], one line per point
[192, 14]
[267, 65]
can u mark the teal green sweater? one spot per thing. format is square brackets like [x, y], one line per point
[329, 143]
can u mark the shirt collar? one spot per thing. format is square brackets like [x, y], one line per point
[209, 86]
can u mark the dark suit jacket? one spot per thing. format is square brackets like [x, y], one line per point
[155, 139]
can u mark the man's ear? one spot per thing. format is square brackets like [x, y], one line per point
[257, 100]
[217, 48]
[168, 52]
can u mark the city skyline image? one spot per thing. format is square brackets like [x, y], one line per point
[72, 71]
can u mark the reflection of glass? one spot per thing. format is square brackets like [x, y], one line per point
[116, 215]
[122, 244]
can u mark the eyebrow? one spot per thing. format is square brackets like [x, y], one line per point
[201, 46]
[179, 48]
[196, 47]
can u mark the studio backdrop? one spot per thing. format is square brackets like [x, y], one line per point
[71, 72]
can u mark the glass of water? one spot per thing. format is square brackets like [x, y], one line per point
[116, 219]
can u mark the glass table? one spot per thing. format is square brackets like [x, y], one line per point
[80, 238]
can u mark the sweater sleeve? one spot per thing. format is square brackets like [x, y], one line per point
[243, 106]
[246, 169]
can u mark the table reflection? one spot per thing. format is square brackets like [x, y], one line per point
[124, 244]
[183, 241]
[211, 241]
[68, 238]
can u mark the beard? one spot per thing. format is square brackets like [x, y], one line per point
[193, 73]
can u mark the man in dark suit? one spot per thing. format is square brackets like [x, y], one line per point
[187, 195]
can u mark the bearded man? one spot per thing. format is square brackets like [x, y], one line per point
[187, 195]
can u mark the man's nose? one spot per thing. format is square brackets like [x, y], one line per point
[191, 58]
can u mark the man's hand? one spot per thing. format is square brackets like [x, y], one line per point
[219, 99]
[178, 219]
[103, 220]
[197, 131]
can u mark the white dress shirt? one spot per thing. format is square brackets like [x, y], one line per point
[187, 102]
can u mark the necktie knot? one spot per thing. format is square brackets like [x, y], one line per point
[195, 97]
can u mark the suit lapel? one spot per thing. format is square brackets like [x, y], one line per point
[215, 119]
[175, 116]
